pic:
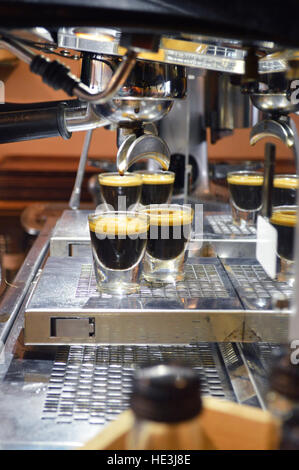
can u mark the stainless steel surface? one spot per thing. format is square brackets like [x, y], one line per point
[277, 107]
[71, 235]
[104, 40]
[16, 294]
[138, 100]
[67, 290]
[117, 80]
[83, 119]
[146, 146]
[226, 107]
[270, 128]
[193, 51]
[259, 359]
[222, 224]
[183, 137]
[126, 111]
[147, 80]
[107, 376]
[80, 90]
[254, 287]
[239, 374]
[274, 103]
[60, 398]
[221, 237]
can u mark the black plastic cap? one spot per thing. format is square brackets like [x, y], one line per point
[166, 393]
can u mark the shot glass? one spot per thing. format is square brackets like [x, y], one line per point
[169, 234]
[284, 219]
[120, 192]
[118, 242]
[157, 186]
[285, 190]
[245, 189]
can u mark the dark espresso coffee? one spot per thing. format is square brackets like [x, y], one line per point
[120, 192]
[246, 190]
[285, 223]
[157, 187]
[118, 242]
[285, 190]
[169, 232]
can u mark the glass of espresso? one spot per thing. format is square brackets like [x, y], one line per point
[118, 242]
[284, 219]
[157, 186]
[170, 231]
[285, 190]
[245, 189]
[120, 192]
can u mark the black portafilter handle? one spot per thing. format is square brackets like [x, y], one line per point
[21, 122]
[270, 151]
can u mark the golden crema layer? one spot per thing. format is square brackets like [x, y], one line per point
[168, 217]
[286, 183]
[157, 178]
[286, 218]
[123, 225]
[246, 180]
[119, 180]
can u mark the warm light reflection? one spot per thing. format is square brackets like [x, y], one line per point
[95, 36]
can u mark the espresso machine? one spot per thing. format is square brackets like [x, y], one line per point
[161, 74]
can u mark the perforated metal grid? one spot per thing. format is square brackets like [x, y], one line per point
[93, 383]
[265, 352]
[222, 224]
[201, 281]
[255, 283]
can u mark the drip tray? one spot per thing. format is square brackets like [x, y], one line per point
[67, 308]
[254, 287]
[93, 384]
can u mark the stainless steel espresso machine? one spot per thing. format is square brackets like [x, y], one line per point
[160, 74]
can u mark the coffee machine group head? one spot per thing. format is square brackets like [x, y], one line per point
[130, 81]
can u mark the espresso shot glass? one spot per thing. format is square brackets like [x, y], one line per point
[284, 219]
[118, 243]
[169, 234]
[285, 190]
[120, 192]
[245, 189]
[157, 186]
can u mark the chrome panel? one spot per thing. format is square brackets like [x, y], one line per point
[71, 236]
[67, 289]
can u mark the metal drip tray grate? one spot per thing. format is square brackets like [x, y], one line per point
[255, 282]
[254, 287]
[93, 383]
[222, 224]
[201, 281]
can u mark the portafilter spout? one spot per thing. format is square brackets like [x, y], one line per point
[278, 129]
[147, 146]
[277, 124]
